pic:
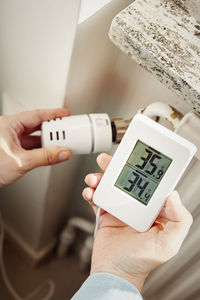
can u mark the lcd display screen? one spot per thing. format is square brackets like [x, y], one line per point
[143, 172]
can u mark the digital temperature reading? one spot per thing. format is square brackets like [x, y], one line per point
[143, 172]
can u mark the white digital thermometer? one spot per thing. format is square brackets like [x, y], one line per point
[145, 169]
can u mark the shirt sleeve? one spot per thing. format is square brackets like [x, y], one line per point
[103, 286]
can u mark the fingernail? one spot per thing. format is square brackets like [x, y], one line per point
[93, 180]
[99, 157]
[63, 156]
[88, 194]
[86, 178]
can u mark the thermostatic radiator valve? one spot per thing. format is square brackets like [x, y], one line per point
[84, 134]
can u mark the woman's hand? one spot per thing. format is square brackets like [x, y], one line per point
[122, 251]
[20, 151]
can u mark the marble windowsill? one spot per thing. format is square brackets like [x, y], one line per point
[163, 36]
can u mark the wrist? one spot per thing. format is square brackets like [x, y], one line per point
[135, 279]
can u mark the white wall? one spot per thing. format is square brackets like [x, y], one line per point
[36, 41]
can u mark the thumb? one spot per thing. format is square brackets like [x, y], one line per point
[44, 157]
[174, 210]
[177, 220]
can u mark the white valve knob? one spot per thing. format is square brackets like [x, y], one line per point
[82, 134]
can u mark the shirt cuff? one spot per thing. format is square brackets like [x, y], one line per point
[104, 286]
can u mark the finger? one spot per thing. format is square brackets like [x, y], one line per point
[103, 161]
[87, 195]
[34, 118]
[31, 130]
[175, 215]
[176, 221]
[29, 142]
[173, 209]
[93, 179]
[43, 157]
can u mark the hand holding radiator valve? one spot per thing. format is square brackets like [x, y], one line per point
[20, 150]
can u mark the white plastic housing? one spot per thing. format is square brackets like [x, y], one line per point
[82, 134]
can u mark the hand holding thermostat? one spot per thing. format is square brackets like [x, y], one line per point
[122, 251]
[145, 169]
